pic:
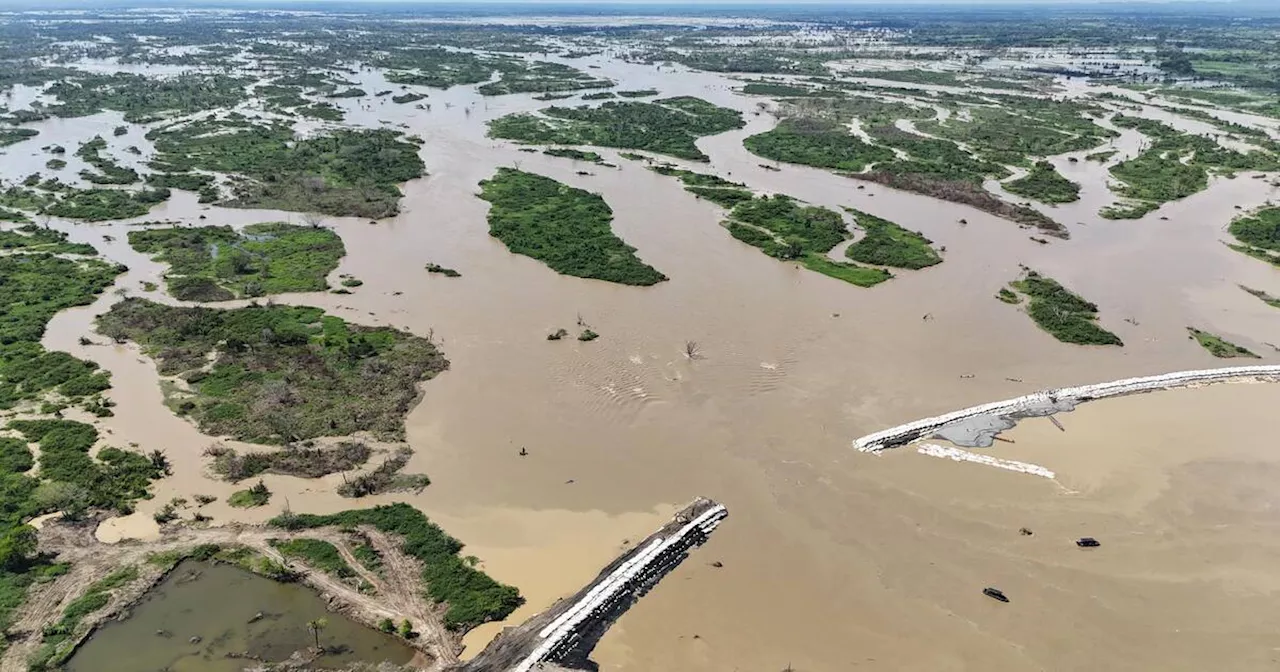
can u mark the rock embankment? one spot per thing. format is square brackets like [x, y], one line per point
[977, 425]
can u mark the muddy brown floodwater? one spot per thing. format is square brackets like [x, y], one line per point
[833, 560]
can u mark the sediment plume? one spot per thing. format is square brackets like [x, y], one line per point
[977, 425]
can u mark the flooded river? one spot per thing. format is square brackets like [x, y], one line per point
[201, 613]
[832, 560]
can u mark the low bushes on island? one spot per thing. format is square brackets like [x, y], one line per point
[667, 126]
[564, 227]
[1062, 313]
[887, 244]
[214, 263]
[1219, 346]
[1045, 184]
[472, 596]
[279, 374]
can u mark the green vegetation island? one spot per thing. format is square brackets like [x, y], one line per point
[563, 227]
[217, 263]
[814, 132]
[1045, 184]
[713, 188]
[1175, 166]
[345, 173]
[279, 374]
[666, 126]
[1259, 234]
[1218, 346]
[39, 280]
[785, 229]
[888, 244]
[1061, 312]
[1265, 297]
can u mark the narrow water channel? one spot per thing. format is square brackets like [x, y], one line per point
[188, 624]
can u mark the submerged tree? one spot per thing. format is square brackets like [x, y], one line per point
[315, 627]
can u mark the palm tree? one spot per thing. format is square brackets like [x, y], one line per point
[316, 626]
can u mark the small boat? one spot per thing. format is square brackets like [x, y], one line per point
[995, 594]
[1088, 542]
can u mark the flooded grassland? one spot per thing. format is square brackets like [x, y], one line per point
[833, 559]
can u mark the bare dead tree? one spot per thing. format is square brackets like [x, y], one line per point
[691, 350]
[313, 219]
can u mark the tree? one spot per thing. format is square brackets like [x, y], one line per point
[17, 546]
[313, 219]
[72, 500]
[316, 626]
[161, 462]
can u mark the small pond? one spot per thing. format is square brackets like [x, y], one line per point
[218, 604]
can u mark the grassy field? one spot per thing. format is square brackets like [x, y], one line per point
[565, 228]
[1218, 346]
[216, 263]
[280, 374]
[1061, 312]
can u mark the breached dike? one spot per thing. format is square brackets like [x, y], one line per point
[977, 426]
[959, 455]
[563, 636]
